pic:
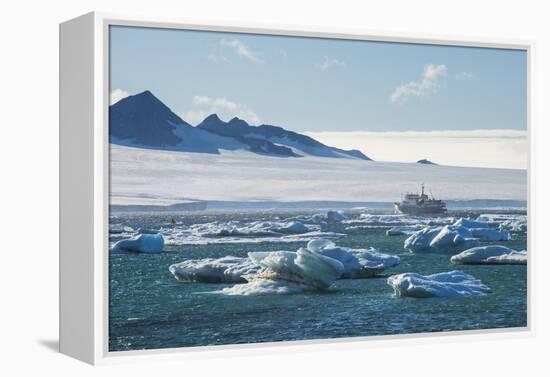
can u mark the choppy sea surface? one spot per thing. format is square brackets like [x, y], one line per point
[150, 309]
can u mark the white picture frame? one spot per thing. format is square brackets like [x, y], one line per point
[84, 166]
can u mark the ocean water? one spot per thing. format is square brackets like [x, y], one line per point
[150, 309]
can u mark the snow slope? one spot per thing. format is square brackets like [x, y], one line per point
[170, 177]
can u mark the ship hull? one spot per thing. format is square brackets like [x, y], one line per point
[419, 210]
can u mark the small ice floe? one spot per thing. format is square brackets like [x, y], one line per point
[453, 238]
[445, 284]
[358, 263]
[482, 231]
[144, 243]
[463, 234]
[467, 223]
[223, 270]
[395, 220]
[229, 232]
[288, 272]
[335, 216]
[320, 219]
[494, 254]
[447, 238]
[120, 228]
[421, 240]
[509, 222]
[489, 234]
[405, 230]
[263, 287]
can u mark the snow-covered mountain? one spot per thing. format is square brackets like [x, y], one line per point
[142, 120]
[298, 144]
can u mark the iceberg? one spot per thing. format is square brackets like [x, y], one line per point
[453, 238]
[490, 234]
[230, 232]
[395, 220]
[263, 287]
[467, 223]
[494, 254]
[303, 267]
[509, 222]
[420, 241]
[335, 216]
[285, 272]
[143, 243]
[358, 263]
[119, 228]
[514, 225]
[228, 269]
[445, 284]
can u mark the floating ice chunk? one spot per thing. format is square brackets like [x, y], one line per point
[224, 270]
[144, 243]
[467, 223]
[421, 240]
[120, 228]
[406, 230]
[263, 287]
[448, 238]
[515, 225]
[445, 284]
[335, 216]
[358, 263]
[394, 220]
[286, 272]
[303, 267]
[453, 237]
[510, 222]
[494, 254]
[489, 234]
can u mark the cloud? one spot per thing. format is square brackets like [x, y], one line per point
[428, 84]
[224, 108]
[481, 148]
[464, 76]
[238, 48]
[329, 63]
[117, 95]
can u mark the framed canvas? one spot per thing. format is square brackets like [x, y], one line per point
[231, 188]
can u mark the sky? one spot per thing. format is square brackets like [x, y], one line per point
[393, 101]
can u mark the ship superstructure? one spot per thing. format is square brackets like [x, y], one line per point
[414, 204]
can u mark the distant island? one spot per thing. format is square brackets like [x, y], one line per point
[426, 162]
[142, 120]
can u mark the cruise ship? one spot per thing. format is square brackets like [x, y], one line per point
[414, 204]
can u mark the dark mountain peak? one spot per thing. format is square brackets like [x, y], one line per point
[238, 122]
[144, 120]
[212, 118]
[425, 161]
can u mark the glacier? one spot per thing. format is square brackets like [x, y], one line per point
[494, 254]
[444, 284]
[138, 173]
